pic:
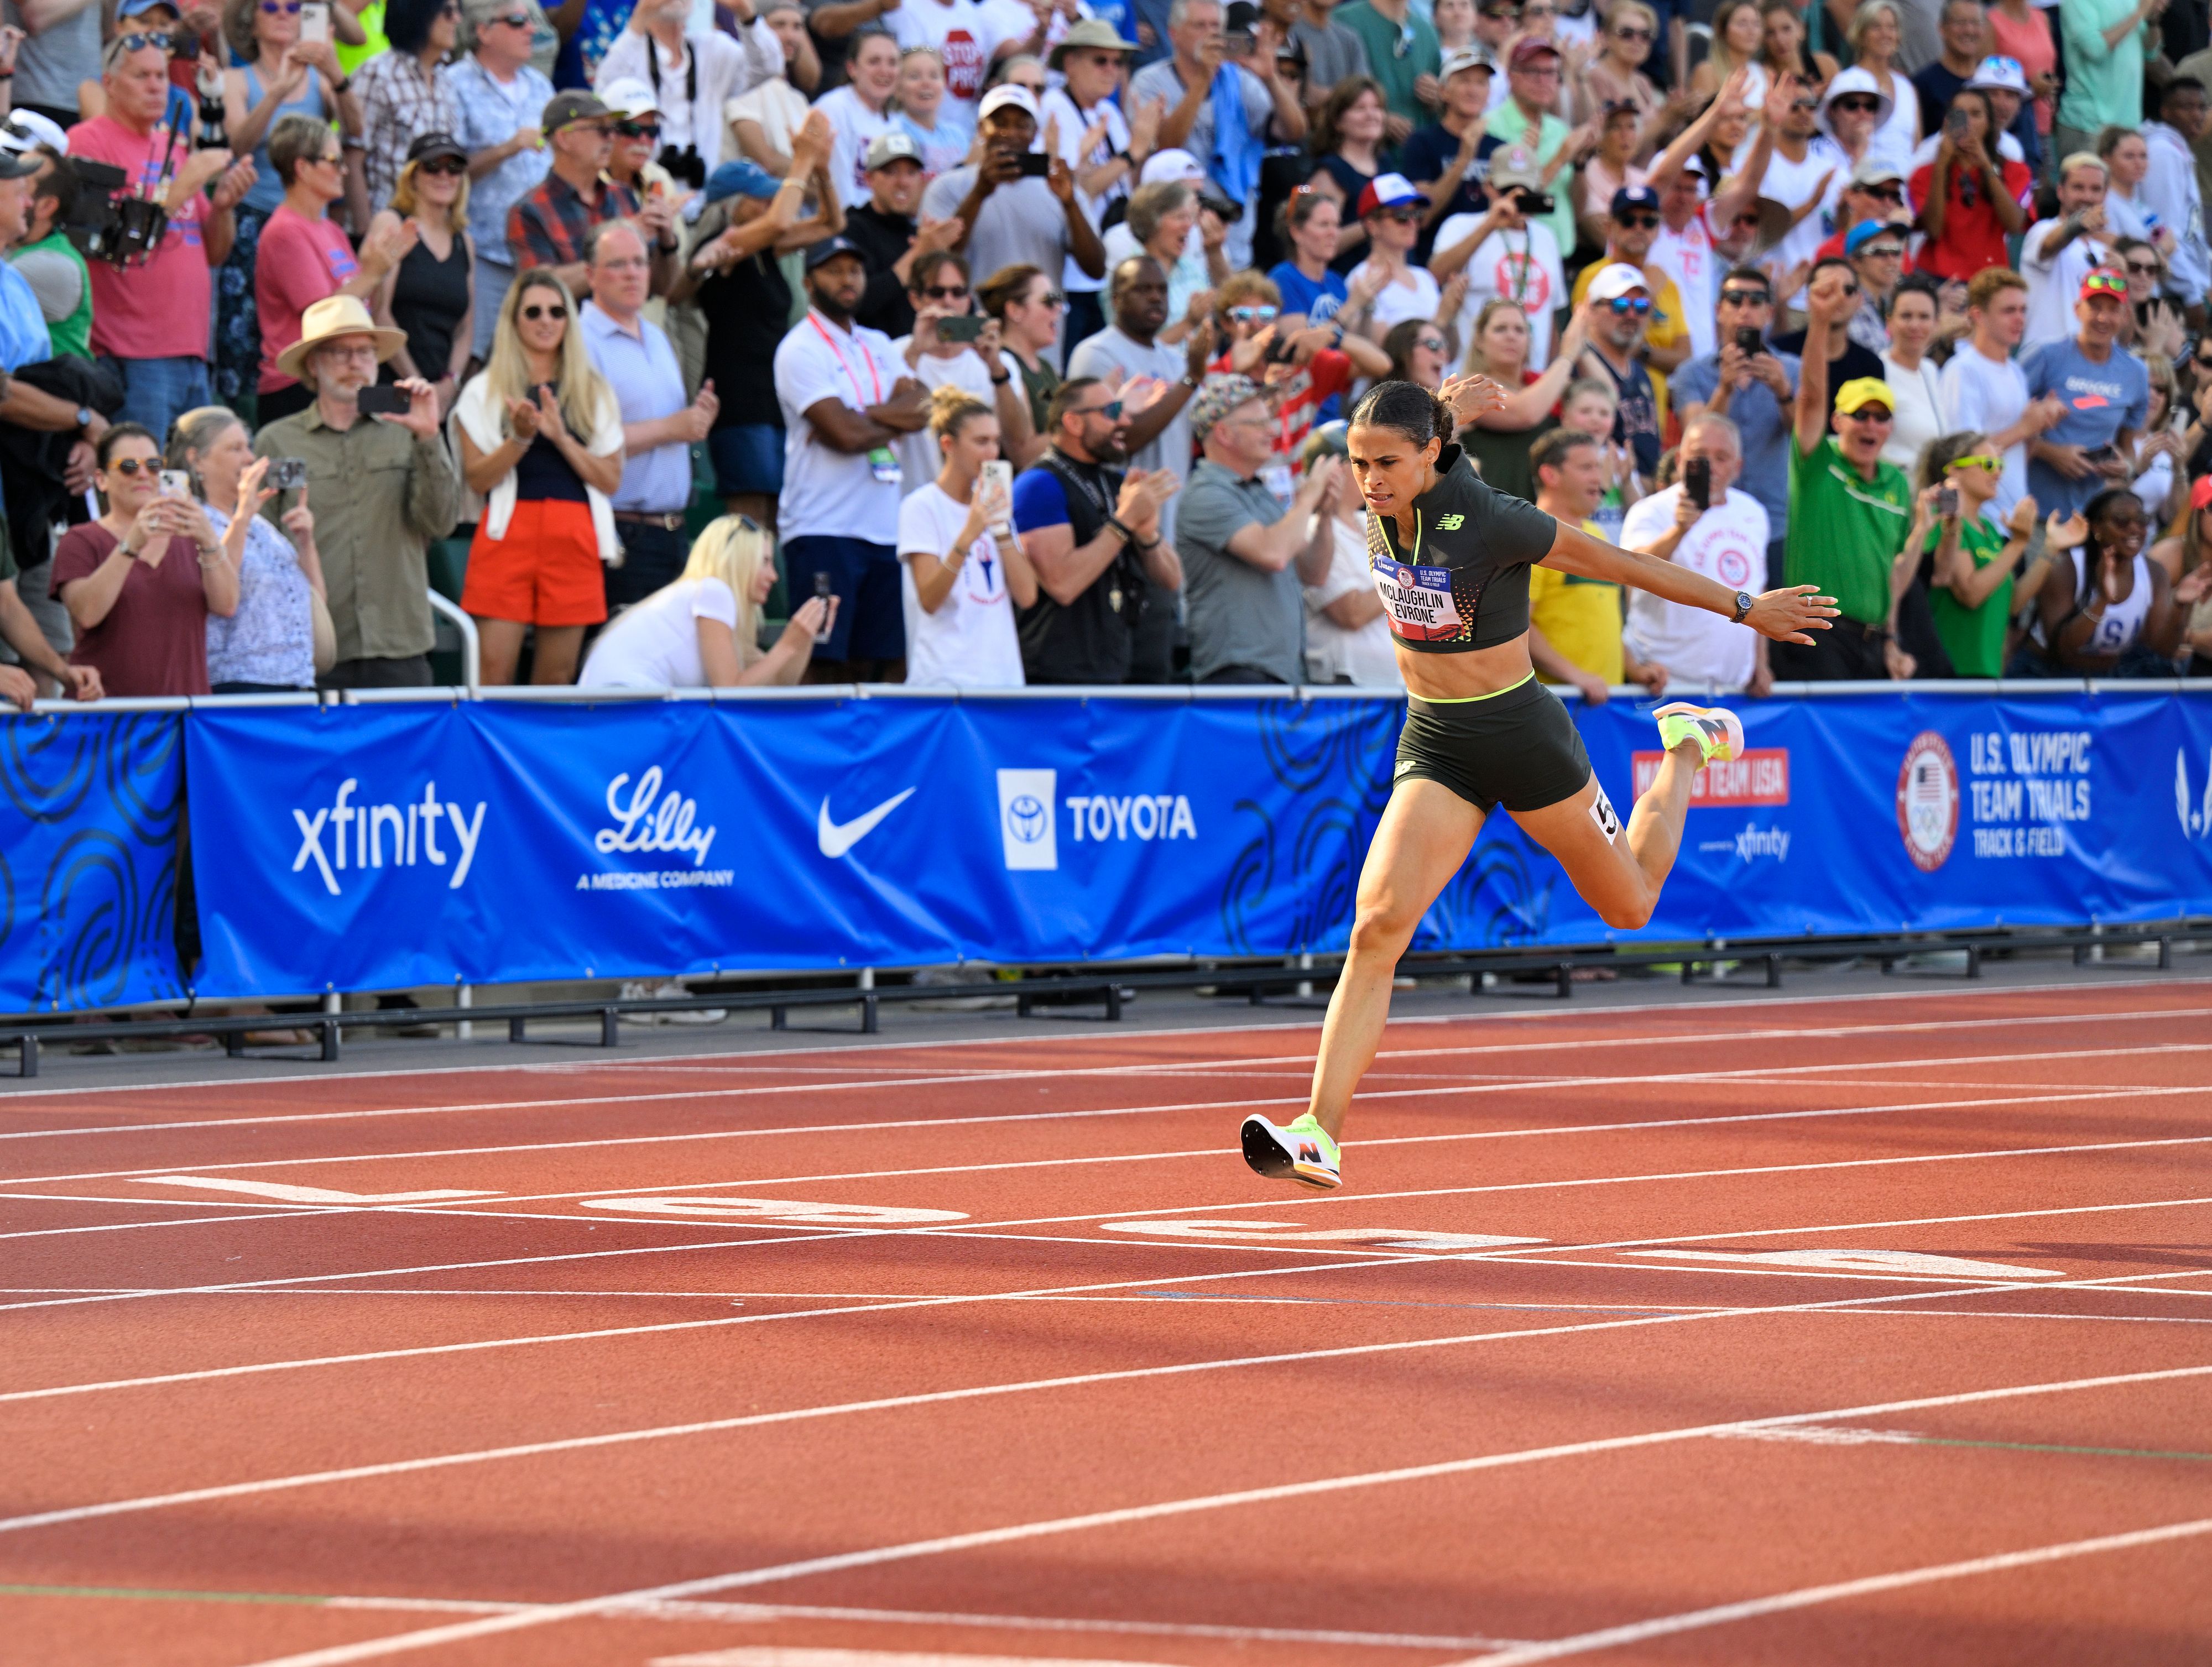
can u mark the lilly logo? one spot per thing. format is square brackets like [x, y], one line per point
[357, 833]
[2198, 822]
[651, 822]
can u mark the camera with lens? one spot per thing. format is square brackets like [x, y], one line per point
[686, 165]
[105, 223]
[1533, 202]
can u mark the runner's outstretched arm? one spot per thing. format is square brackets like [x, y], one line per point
[1785, 615]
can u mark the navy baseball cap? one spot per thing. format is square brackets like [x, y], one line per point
[830, 248]
[1634, 196]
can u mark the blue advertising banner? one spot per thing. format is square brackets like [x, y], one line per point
[88, 825]
[386, 844]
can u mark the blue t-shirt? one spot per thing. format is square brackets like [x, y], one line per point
[2101, 399]
[1039, 500]
[1318, 300]
[24, 339]
[1767, 424]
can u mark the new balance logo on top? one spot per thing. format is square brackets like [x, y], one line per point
[1451, 522]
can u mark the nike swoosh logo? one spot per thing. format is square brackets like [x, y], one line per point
[836, 839]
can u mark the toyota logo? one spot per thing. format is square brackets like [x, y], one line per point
[1027, 819]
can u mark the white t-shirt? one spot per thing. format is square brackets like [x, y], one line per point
[2054, 283]
[777, 106]
[855, 126]
[1984, 395]
[1521, 266]
[1073, 124]
[1727, 545]
[1919, 412]
[1398, 301]
[1794, 183]
[1363, 655]
[920, 456]
[828, 493]
[970, 641]
[1688, 257]
[965, 35]
[655, 643]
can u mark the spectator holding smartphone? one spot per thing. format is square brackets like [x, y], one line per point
[964, 572]
[386, 486]
[541, 439]
[703, 630]
[1703, 524]
[1013, 210]
[954, 346]
[1972, 198]
[279, 635]
[140, 582]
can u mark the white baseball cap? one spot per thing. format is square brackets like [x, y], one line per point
[21, 130]
[1176, 166]
[1616, 280]
[629, 98]
[1010, 92]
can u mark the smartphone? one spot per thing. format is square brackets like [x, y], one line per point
[1534, 202]
[1035, 165]
[1698, 481]
[998, 476]
[828, 594]
[314, 22]
[1955, 124]
[1947, 502]
[1238, 43]
[1749, 341]
[378, 398]
[286, 474]
[966, 328]
[2101, 455]
[175, 483]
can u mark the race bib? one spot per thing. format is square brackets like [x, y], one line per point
[1418, 600]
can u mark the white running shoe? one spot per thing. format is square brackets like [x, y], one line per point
[1302, 1152]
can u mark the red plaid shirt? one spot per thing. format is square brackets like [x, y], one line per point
[548, 227]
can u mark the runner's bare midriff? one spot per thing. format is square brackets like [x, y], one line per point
[1468, 674]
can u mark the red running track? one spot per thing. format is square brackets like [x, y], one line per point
[1805, 1333]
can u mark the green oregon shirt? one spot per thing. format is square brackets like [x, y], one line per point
[1974, 637]
[1845, 531]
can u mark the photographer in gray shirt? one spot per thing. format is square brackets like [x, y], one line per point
[1245, 556]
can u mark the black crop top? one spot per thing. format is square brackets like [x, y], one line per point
[1464, 584]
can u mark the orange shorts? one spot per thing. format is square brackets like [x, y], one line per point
[545, 572]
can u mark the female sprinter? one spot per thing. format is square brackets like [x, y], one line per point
[1451, 559]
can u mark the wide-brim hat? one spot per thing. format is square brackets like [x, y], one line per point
[334, 316]
[1775, 220]
[1095, 33]
[1856, 80]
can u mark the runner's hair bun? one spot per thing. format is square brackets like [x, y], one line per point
[1410, 409]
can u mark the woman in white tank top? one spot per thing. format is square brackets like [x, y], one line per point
[2116, 616]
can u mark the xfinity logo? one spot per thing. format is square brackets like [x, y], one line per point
[1756, 841]
[357, 832]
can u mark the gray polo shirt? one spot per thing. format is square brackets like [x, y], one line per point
[1241, 616]
[1020, 223]
[1334, 53]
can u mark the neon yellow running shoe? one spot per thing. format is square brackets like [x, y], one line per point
[1717, 731]
[1302, 1152]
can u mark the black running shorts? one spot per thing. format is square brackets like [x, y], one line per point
[1517, 748]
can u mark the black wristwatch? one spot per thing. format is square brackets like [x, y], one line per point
[1743, 605]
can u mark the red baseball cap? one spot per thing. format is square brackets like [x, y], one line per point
[2200, 495]
[1528, 49]
[2105, 281]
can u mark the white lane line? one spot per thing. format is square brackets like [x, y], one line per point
[1734, 1037]
[1628, 1080]
[935, 1398]
[1062, 1039]
[1807, 1597]
[492, 1626]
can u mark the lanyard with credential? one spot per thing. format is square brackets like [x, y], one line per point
[830, 343]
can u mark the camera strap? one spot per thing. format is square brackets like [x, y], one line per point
[690, 79]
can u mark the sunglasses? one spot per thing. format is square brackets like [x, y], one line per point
[1867, 414]
[638, 129]
[449, 165]
[1252, 315]
[1631, 34]
[1975, 460]
[1881, 193]
[1858, 103]
[2105, 283]
[136, 465]
[1804, 104]
[1624, 305]
[139, 42]
[2141, 270]
[1431, 343]
[1403, 216]
[273, 7]
[1053, 298]
[534, 313]
[1745, 222]
[1883, 251]
[1111, 410]
[1637, 221]
[946, 292]
[513, 20]
[1747, 297]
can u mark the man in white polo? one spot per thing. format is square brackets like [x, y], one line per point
[1725, 542]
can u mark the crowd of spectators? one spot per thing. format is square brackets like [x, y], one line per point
[996, 341]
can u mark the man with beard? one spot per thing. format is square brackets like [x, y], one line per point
[1093, 534]
[1634, 214]
[846, 399]
[885, 231]
[1155, 380]
[1008, 218]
